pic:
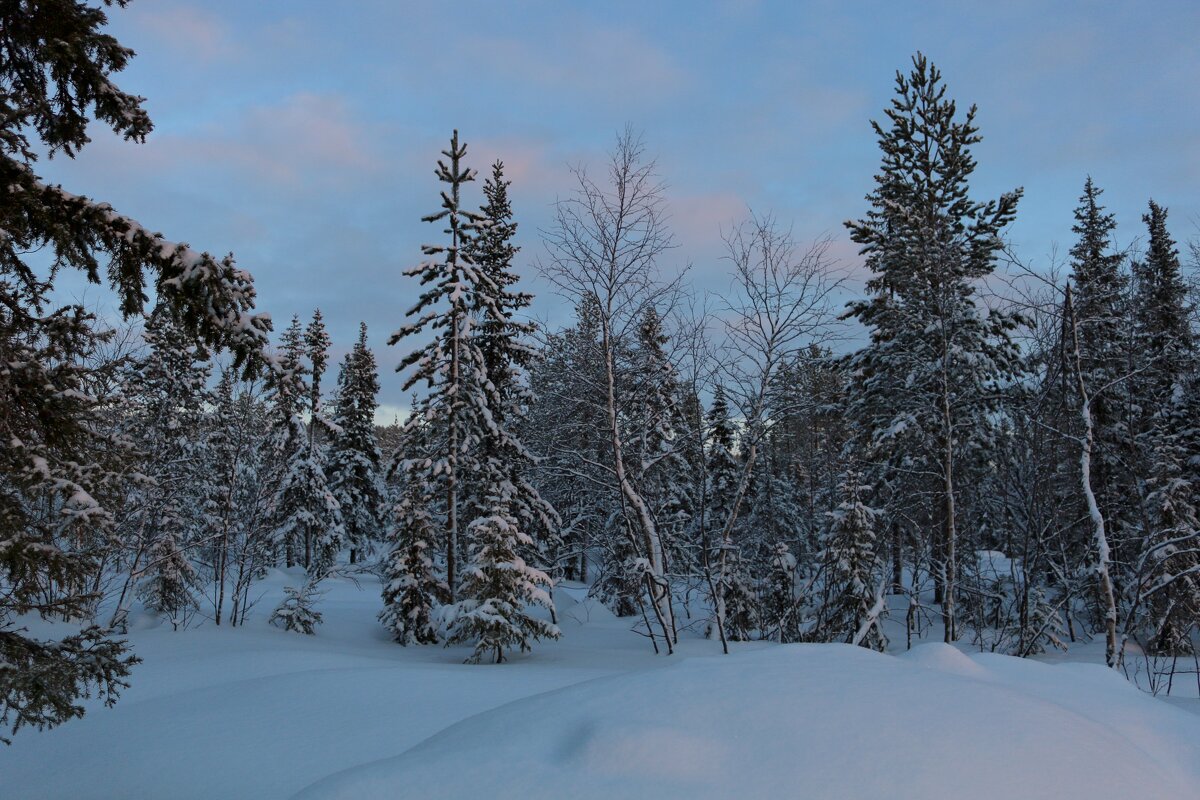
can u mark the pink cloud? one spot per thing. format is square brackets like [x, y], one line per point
[191, 32]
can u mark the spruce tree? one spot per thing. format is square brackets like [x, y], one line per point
[929, 378]
[1162, 314]
[307, 516]
[354, 456]
[722, 467]
[57, 466]
[296, 611]
[412, 592]
[168, 390]
[781, 614]
[1168, 568]
[851, 565]
[1101, 310]
[501, 339]
[1168, 595]
[498, 588]
[456, 405]
[655, 421]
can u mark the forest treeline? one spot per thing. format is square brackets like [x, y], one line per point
[1008, 457]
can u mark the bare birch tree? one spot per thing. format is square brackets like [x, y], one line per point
[604, 247]
[782, 305]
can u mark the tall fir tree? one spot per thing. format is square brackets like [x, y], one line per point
[929, 378]
[456, 407]
[1162, 314]
[355, 460]
[502, 341]
[1168, 565]
[1101, 309]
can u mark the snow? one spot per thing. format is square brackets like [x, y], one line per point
[260, 712]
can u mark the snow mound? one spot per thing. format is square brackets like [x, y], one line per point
[821, 721]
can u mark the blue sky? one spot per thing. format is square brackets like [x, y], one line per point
[302, 135]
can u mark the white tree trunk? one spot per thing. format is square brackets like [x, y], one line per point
[1112, 655]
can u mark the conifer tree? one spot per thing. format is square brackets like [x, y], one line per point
[1161, 315]
[850, 612]
[307, 516]
[354, 455]
[1168, 596]
[566, 426]
[317, 342]
[722, 467]
[506, 356]
[935, 365]
[1168, 569]
[781, 617]
[412, 592]
[296, 612]
[655, 434]
[57, 466]
[171, 581]
[168, 390]
[498, 588]
[456, 406]
[1101, 310]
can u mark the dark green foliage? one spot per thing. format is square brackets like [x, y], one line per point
[57, 469]
[355, 461]
[412, 592]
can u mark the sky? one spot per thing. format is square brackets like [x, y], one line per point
[302, 136]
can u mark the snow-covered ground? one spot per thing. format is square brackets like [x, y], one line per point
[257, 712]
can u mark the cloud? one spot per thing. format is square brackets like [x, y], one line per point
[614, 65]
[306, 141]
[188, 31]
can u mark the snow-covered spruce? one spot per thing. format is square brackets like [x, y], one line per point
[412, 591]
[354, 457]
[852, 608]
[297, 612]
[498, 588]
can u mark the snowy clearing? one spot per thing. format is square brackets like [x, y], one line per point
[259, 712]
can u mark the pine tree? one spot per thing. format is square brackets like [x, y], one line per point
[354, 455]
[498, 586]
[450, 365]
[928, 380]
[850, 612]
[412, 593]
[501, 341]
[57, 467]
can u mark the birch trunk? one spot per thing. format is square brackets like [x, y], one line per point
[1112, 655]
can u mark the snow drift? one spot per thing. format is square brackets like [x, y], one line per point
[824, 721]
